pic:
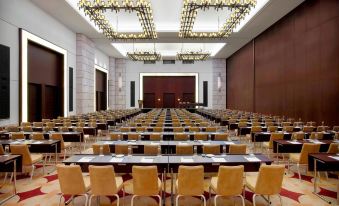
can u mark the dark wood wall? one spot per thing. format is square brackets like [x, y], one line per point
[292, 68]
[101, 90]
[164, 91]
[45, 83]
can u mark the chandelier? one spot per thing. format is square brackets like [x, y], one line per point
[144, 56]
[95, 10]
[193, 56]
[239, 8]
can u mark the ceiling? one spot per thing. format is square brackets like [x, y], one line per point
[167, 22]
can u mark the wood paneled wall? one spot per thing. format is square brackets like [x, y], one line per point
[292, 68]
[183, 88]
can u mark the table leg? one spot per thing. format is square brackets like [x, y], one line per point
[14, 183]
[172, 202]
[315, 176]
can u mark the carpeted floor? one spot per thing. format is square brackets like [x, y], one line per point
[44, 190]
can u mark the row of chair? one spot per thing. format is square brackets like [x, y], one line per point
[177, 136]
[102, 181]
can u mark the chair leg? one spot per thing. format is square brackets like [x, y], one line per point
[118, 199]
[242, 200]
[253, 199]
[209, 193]
[86, 202]
[204, 199]
[32, 172]
[176, 200]
[90, 200]
[280, 199]
[298, 168]
[215, 200]
[132, 200]
[159, 199]
[60, 199]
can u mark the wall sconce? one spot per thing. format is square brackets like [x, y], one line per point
[159, 99]
[219, 82]
[120, 82]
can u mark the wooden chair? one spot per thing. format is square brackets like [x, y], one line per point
[38, 136]
[237, 149]
[184, 149]
[64, 146]
[181, 137]
[178, 129]
[133, 137]
[155, 137]
[151, 149]
[221, 137]
[101, 149]
[121, 149]
[201, 136]
[17, 135]
[211, 149]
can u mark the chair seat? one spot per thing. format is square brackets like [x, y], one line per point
[266, 144]
[36, 158]
[67, 144]
[87, 182]
[214, 184]
[294, 157]
[251, 181]
[119, 182]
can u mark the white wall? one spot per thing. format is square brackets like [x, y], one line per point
[15, 14]
[204, 70]
[101, 59]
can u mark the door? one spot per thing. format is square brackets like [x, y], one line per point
[34, 102]
[168, 100]
[53, 106]
[149, 100]
[188, 97]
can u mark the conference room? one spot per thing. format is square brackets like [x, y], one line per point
[169, 103]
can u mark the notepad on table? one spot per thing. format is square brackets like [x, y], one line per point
[155, 143]
[86, 159]
[115, 159]
[183, 159]
[218, 159]
[226, 142]
[183, 143]
[292, 142]
[37, 142]
[147, 160]
[252, 159]
[334, 157]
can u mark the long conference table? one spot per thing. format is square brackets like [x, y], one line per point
[166, 135]
[169, 163]
[168, 147]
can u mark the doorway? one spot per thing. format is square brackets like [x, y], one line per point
[168, 100]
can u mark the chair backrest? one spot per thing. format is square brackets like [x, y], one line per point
[272, 128]
[48, 129]
[38, 136]
[190, 180]
[194, 129]
[203, 137]
[269, 124]
[58, 136]
[317, 135]
[67, 124]
[155, 137]
[115, 137]
[141, 129]
[333, 148]
[255, 129]
[284, 124]
[102, 180]
[237, 149]
[157, 129]
[181, 137]
[101, 149]
[322, 128]
[12, 129]
[2, 151]
[63, 129]
[125, 129]
[298, 135]
[145, 180]
[27, 129]
[178, 129]
[211, 149]
[269, 180]
[256, 124]
[308, 129]
[275, 136]
[50, 124]
[133, 136]
[221, 137]
[71, 180]
[242, 124]
[121, 149]
[25, 124]
[307, 149]
[151, 149]
[80, 124]
[79, 129]
[176, 124]
[288, 128]
[203, 124]
[38, 124]
[184, 149]
[211, 129]
[230, 180]
[22, 149]
[336, 128]
[17, 135]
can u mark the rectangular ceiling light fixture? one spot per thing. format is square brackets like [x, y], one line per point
[239, 8]
[144, 56]
[95, 10]
[193, 56]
